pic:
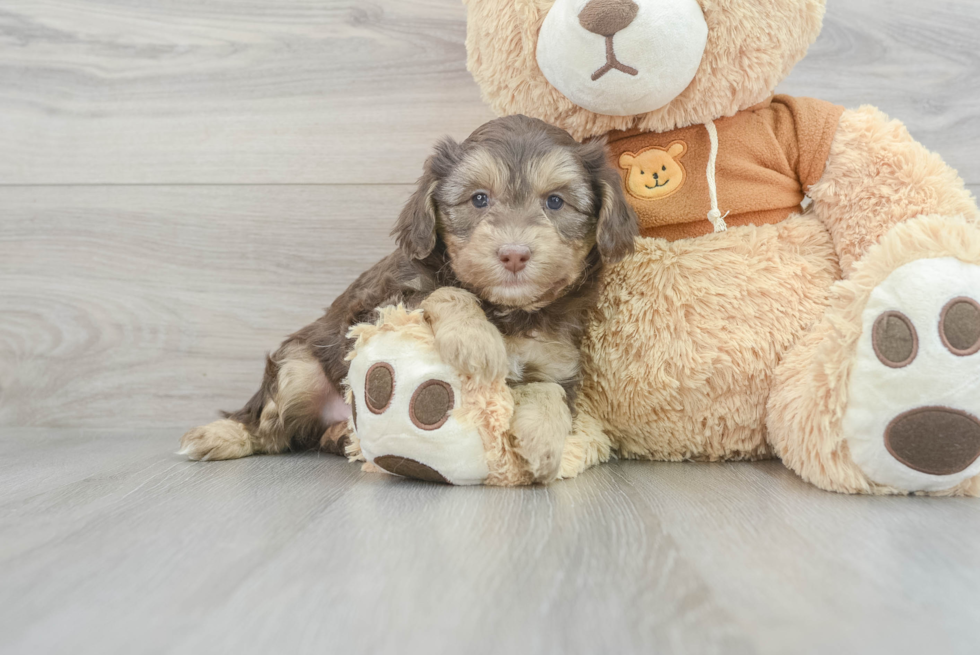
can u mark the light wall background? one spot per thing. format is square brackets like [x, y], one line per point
[183, 183]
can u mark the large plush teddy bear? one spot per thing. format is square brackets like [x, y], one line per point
[808, 278]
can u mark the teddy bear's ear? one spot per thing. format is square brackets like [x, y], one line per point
[626, 159]
[617, 226]
[677, 149]
[415, 230]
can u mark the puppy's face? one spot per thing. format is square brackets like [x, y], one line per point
[518, 222]
[519, 206]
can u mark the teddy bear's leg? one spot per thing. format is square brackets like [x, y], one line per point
[877, 176]
[883, 394]
[873, 380]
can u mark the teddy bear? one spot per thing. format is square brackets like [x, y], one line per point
[807, 281]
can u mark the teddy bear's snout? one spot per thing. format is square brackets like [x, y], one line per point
[606, 17]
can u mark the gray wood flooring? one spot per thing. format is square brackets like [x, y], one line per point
[182, 183]
[112, 545]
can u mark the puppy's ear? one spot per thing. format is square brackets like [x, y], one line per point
[617, 227]
[415, 230]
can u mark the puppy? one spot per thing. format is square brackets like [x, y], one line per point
[501, 245]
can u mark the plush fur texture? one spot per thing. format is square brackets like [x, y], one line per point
[877, 176]
[680, 353]
[752, 46]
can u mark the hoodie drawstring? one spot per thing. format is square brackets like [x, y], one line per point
[717, 220]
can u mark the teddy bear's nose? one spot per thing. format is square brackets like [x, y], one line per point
[606, 17]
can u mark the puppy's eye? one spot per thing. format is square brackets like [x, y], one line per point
[555, 203]
[481, 200]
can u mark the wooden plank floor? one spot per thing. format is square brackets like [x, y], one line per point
[113, 545]
[182, 183]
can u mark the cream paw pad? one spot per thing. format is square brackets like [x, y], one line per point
[913, 420]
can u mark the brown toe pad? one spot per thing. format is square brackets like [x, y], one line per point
[409, 468]
[934, 440]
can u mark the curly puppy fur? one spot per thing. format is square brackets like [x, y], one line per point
[515, 183]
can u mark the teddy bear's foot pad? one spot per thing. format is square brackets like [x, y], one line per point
[409, 468]
[406, 408]
[913, 416]
[934, 440]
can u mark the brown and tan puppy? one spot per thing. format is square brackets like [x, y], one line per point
[503, 241]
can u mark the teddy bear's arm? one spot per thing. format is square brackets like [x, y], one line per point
[878, 175]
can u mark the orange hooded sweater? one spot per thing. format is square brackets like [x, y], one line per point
[766, 159]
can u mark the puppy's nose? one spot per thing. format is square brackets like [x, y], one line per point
[606, 17]
[514, 258]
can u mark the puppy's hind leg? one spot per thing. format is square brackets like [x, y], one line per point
[293, 408]
[224, 439]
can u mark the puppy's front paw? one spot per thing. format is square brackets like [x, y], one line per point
[541, 424]
[475, 349]
[225, 439]
[464, 338]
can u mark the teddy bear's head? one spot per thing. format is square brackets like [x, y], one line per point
[591, 66]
